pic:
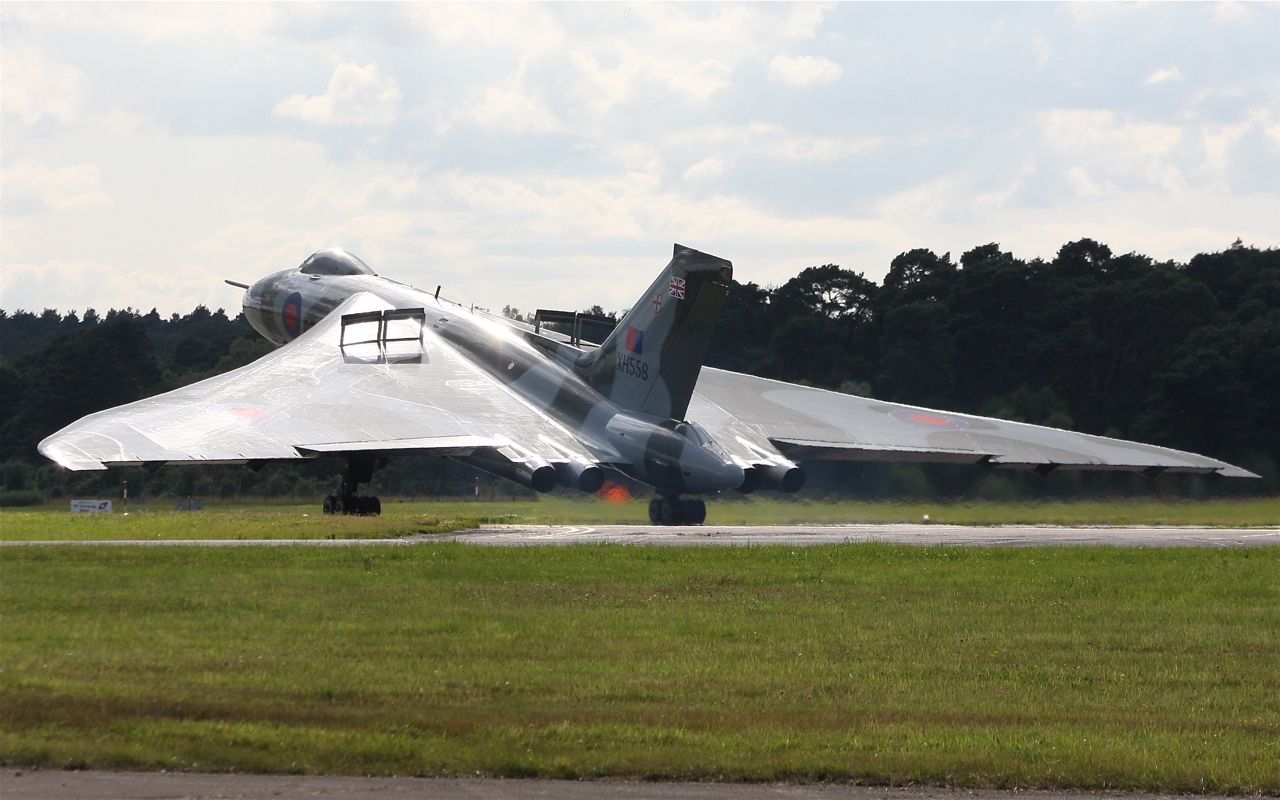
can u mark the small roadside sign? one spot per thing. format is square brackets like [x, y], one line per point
[91, 506]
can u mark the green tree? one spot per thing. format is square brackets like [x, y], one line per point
[78, 374]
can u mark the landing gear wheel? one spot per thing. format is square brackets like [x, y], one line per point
[346, 501]
[694, 512]
[674, 511]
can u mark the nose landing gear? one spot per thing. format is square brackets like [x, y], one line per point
[671, 510]
[346, 501]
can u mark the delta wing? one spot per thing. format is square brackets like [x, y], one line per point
[751, 417]
[331, 390]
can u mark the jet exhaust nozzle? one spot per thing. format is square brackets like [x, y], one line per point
[785, 477]
[581, 475]
[532, 472]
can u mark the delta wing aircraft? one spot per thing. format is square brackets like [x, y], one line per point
[370, 368]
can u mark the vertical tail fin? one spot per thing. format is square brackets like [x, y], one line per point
[650, 362]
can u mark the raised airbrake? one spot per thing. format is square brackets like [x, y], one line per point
[370, 368]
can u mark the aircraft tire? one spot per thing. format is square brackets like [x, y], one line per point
[328, 504]
[372, 506]
[674, 511]
[695, 512]
[340, 505]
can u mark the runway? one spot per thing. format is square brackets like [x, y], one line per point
[97, 785]
[804, 535]
[759, 535]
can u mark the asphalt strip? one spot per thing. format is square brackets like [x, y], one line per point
[756, 535]
[95, 785]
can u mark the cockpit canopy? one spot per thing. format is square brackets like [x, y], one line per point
[333, 261]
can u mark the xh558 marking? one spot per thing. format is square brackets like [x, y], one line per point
[371, 368]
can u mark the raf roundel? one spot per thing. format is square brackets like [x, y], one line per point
[927, 419]
[291, 315]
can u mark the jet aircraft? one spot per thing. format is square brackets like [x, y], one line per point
[370, 368]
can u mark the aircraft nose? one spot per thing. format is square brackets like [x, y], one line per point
[712, 474]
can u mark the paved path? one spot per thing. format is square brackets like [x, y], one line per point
[90, 785]
[790, 535]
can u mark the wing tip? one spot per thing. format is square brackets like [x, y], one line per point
[1230, 471]
[68, 458]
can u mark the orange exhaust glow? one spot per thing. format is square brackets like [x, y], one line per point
[614, 492]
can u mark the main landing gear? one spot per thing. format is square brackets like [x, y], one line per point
[346, 501]
[671, 510]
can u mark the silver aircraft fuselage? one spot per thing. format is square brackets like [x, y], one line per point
[670, 455]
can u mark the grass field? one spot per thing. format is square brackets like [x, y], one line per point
[276, 521]
[1063, 667]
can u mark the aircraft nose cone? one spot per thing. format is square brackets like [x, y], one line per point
[714, 475]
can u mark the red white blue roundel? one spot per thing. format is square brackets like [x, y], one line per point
[928, 419]
[291, 315]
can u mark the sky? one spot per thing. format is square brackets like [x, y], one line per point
[549, 155]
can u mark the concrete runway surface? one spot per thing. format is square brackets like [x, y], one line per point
[93, 785]
[801, 535]
[742, 535]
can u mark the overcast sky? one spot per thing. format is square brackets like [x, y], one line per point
[549, 155]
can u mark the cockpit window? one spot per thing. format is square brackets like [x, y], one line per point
[694, 433]
[334, 262]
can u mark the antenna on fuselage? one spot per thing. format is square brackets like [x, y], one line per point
[437, 291]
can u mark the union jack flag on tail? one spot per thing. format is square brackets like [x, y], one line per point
[677, 288]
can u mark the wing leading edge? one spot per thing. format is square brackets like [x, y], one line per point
[314, 397]
[753, 417]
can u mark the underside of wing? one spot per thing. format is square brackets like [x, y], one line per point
[320, 394]
[755, 417]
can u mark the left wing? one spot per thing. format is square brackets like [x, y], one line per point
[754, 418]
[315, 396]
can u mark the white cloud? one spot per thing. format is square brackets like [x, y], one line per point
[1219, 139]
[31, 185]
[513, 110]
[655, 131]
[156, 22]
[356, 95]
[240, 21]
[706, 169]
[926, 201]
[697, 80]
[522, 29]
[774, 141]
[1111, 149]
[1231, 11]
[803, 71]
[1163, 75]
[34, 87]
[1273, 133]
[688, 50]
[84, 284]
[1085, 187]
[1002, 196]
[616, 72]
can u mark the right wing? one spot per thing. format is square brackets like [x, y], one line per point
[756, 418]
[315, 396]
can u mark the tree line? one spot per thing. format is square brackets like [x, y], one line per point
[1185, 355]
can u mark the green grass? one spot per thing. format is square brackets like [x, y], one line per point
[303, 521]
[1044, 667]
[272, 521]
